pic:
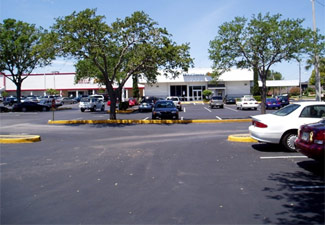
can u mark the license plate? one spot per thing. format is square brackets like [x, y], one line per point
[305, 136]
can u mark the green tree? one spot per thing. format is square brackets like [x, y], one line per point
[259, 43]
[112, 54]
[23, 47]
[321, 71]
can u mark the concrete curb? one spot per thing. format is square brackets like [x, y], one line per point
[15, 139]
[241, 138]
[145, 121]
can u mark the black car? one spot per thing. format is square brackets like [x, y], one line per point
[29, 106]
[231, 99]
[165, 109]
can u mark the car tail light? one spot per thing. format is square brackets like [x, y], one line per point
[259, 124]
[318, 137]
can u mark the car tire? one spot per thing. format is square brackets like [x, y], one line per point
[44, 109]
[153, 117]
[82, 110]
[288, 141]
[102, 109]
[221, 107]
[23, 109]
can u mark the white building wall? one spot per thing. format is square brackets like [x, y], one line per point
[237, 87]
[157, 90]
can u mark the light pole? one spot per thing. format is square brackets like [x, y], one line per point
[317, 75]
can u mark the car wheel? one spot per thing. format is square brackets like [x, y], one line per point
[102, 109]
[82, 110]
[44, 109]
[221, 106]
[23, 109]
[153, 117]
[288, 141]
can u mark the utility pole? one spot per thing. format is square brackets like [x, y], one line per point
[300, 91]
[316, 63]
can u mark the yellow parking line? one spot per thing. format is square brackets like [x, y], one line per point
[12, 139]
[145, 121]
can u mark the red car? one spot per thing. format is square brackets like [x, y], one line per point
[133, 101]
[311, 140]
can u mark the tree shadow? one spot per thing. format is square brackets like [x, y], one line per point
[303, 194]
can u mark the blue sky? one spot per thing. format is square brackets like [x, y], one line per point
[189, 21]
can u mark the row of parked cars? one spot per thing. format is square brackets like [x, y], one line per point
[248, 102]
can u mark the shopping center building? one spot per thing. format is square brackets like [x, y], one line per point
[188, 85]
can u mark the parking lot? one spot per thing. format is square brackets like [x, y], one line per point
[152, 174]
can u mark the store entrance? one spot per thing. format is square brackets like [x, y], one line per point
[197, 95]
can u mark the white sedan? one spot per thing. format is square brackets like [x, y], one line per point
[281, 127]
[247, 103]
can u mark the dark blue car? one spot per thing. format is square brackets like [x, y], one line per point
[165, 109]
[272, 103]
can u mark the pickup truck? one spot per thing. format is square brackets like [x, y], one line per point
[92, 104]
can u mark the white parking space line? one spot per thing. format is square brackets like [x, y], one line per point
[218, 118]
[146, 118]
[231, 109]
[284, 157]
[184, 109]
[207, 109]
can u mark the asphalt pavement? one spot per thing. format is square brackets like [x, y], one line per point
[152, 174]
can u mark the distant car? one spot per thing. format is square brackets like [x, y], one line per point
[92, 104]
[101, 97]
[146, 105]
[68, 101]
[165, 109]
[133, 102]
[216, 101]
[48, 102]
[10, 101]
[283, 99]
[247, 103]
[176, 101]
[231, 99]
[311, 140]
[272, 103]
[29, 106]
[281, 127]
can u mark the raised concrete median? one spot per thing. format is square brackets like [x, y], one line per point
[16, 138]
[145, 121]
[241, 138]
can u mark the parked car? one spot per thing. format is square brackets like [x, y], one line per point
[176, 101]
[231, 99]
[247, 103]
[216, 101]
[132, 102]
[272, 103]
[311, 140]
[68, 101]
[92, 104]
[10, 101]
[4, 109]
[283, 99]
[147, 103]
[29, 106]
[101, 97]
[281, 127]
[48, 102]
[165, 109]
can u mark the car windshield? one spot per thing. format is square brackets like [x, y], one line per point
[85, 100]
[286, 110]
[165, 105]
[216, 98]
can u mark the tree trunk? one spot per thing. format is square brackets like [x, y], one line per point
[18, 92]
[112, 114]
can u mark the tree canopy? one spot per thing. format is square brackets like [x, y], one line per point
[23, 47]
[259, 43]
[113, 53]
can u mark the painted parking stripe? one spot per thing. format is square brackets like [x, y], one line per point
[231, 109]
[207, 109]
[146, 118]
[184, 109]
[218, 118]
[284, 157]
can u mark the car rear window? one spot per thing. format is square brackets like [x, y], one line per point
[286, 110]
[216, 98]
